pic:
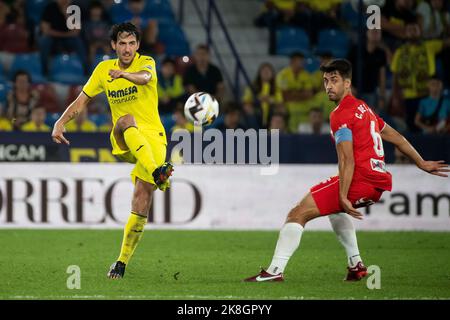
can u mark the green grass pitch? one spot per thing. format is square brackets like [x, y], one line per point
[212, 264]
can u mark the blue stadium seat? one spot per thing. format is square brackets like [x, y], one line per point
[99, 58]
[334, 41]
[174, 39]
[99, 119]
[349, 15]
[67, 69]
[167, 121]
[4, 89]
[30, 62]
[160, 10]
[51, 118]
[33, 10]
[312, 63]
[290, 40]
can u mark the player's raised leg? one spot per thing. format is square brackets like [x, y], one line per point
[140, 206]
[288, 240]
[129, 137]
[346, 234]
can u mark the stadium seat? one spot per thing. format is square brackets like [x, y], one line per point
[334, 41]
[174, 39]
[47, 97]
[67, 69]
[13, 38]
[30, 62]
[160, 10]
[290, 40]
[349, 15]
[312, 63]
[33, 10]
[167, 121]
[51, 118]
[99, 119]
[4, 89]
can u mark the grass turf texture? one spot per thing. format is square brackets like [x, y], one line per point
[212, 264]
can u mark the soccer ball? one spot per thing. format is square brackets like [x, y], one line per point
[201, 108]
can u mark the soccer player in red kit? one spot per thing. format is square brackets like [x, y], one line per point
[358, 134]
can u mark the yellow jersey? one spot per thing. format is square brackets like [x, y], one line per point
[125, 97]
[30, 126]
[86, 126]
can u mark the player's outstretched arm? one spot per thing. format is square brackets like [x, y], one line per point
[139, 78]
[73, 110]
[437, 168]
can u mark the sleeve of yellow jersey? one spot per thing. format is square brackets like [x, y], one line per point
[147, 63]
[94, 85]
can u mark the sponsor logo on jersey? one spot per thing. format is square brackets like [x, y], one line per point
[122, 92]
[378, 165]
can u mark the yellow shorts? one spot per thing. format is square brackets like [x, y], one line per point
[158, 145]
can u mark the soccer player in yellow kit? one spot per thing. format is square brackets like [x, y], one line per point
[138, 136]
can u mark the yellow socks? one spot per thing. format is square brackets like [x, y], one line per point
[140, 148]
[132, 234]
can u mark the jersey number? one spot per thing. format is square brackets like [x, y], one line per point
[377, 141]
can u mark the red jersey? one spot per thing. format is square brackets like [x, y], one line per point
[368, 151]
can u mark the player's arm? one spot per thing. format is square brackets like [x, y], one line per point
[140, 78]
[346, 164]
[73, 110]
[433, 167]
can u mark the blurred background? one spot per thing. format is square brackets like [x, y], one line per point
[259, 58]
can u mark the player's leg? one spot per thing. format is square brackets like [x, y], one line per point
[128, 137]
[133, 231]
[345, 231]
[289, 239]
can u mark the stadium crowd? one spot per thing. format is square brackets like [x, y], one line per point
[404, 76]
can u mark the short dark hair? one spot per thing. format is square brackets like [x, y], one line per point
[342, 66]
[127, 27]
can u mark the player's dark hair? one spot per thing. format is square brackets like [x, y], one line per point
[342, 66]
[126, 27]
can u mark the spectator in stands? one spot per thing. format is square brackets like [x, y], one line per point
[181, 123]
[232, 118]
[55, 36]
[5, 124]
[296, 85]
[413, 64]
[170, 87]
[81, 123]
[373, 77]
[396, 18]
[278, 122]
[269, 98]
[434, 111]
[96, 31]
[435, 20]
[316, 124]
[14, 36]
[37, 122]
[21, 99]
[323, 14]
[204, 76]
